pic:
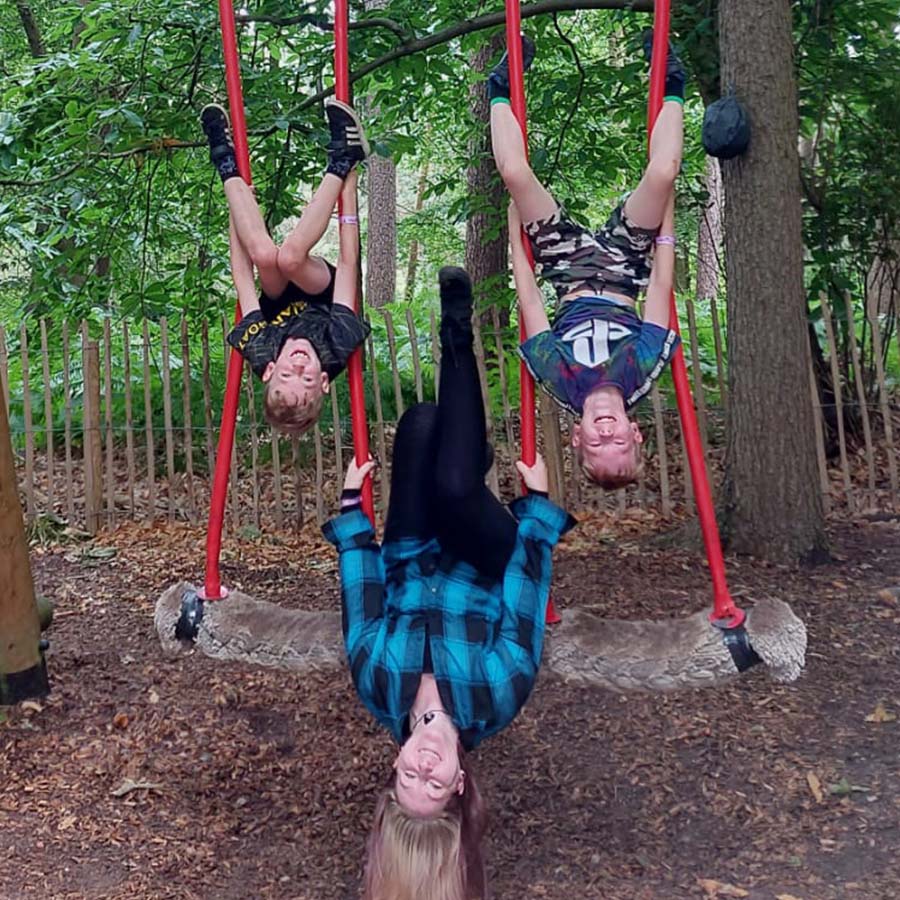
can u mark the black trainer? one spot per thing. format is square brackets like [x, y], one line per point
[498, 80]
[348, 145]
[217, 128]
[675, 73]
[456, 303]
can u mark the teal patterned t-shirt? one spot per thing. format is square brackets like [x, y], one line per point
[596, 342]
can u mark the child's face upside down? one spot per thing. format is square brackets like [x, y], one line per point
[607, 441]
[295, 379]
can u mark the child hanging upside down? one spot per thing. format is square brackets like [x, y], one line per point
[299, 333]
[598, 358]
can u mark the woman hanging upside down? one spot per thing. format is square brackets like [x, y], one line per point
[444, 622]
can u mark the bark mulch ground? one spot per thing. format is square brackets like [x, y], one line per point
[145, 778]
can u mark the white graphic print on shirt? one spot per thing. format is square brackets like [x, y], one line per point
[592, 342]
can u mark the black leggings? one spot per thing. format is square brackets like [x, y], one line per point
[438, 466]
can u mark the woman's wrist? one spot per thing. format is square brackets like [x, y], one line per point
[351, 498]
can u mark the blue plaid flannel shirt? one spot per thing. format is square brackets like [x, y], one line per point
[485, 636]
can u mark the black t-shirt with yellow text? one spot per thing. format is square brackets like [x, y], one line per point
[334, 331]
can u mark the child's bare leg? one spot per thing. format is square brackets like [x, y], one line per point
[646, 205]
[242, 272]
[294, 260]
[533, 200]
[251, 231]
[346, 273]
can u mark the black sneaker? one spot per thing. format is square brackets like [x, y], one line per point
[217, 128]
[675, 73]
[456, 301]
[348, 139]
[499, 77]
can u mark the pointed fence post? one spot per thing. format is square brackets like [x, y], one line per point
[23, 673]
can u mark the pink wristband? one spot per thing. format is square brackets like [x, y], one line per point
[667, 239]
[348, 220]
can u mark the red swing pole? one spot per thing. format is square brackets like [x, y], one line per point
[213, 589]
[355, 363]
[526, 382]
[725, 613]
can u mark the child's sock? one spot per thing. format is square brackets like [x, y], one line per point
[498, 80]
[675, 74]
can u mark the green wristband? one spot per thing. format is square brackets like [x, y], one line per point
[674, 97]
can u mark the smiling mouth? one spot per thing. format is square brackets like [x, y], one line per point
[433, 753]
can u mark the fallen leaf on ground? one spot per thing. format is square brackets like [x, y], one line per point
[815, 786]
[127, 786]
[881, 715]
[786, 897]
[31, 706]
[721, 889]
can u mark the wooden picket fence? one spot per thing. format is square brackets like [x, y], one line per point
[122, 465]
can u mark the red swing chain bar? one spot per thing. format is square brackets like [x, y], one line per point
[526, 382]
[213, 589]
[354, 365]
[725, 613]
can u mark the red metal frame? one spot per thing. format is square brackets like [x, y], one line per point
[725, 613]
[355, 364]
[526, 382]
[213, 589]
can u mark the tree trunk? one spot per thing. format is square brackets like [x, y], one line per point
[773, 505]
[413, 265]
[32, 31]
[709, 236]
[381, 240]
[486, 257]
[22, 670]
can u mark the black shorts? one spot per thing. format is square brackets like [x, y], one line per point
[569, 256]
[272, 306]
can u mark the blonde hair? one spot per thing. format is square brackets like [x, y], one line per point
[437, 858]
[291, 420]
[611, 482]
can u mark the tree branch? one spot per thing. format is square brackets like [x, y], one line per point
[323, 23]
[479, 23]
[408, 48]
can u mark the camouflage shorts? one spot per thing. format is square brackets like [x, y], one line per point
[571, 258]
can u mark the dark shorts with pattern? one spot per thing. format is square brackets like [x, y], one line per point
[572, 258]
[272, 306]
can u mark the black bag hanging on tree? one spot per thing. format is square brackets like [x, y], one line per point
[726, 127]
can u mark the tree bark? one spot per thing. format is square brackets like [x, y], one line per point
[773, 505]
[412, 267]
[381, 239]
[709, 235]
[32, 31]
[486, 256]
[22, 671]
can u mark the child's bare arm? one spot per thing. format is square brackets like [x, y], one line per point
[531, 300]
[242, 273]
[662, 275]
[346, 274]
